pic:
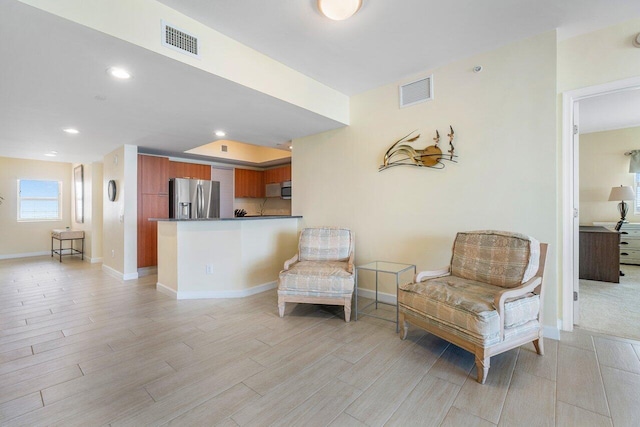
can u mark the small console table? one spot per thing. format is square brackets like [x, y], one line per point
[61, 234]
[382, 267]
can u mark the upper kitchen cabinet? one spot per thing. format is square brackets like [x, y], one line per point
[276, 175]
[189, 170]
[249, 183]
[153, 174]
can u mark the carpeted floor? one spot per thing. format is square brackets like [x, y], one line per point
[612, 308]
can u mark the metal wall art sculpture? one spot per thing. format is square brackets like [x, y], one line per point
[402, 154]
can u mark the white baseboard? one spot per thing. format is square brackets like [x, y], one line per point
[240, 293]
[130, 276]
[147, 271]
[118, 275]
[382, 297]
[25, 255]
[111, 271]
[551, 332]
[166, 290]
[96, 260]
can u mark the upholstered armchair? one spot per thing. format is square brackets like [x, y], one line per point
[322, 270]
[487, 301]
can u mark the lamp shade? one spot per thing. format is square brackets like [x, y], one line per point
[624, 192]
[339, 10]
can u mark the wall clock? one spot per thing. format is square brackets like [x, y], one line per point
[112, 190]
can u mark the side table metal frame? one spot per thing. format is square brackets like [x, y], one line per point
[72, 251]
[373, 266]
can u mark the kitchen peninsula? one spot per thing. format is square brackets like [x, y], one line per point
[225, 257]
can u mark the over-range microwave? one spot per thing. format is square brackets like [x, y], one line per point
[282, 190]
[285, 190]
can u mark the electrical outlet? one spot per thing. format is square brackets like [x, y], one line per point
[113, 253]
[209, 268]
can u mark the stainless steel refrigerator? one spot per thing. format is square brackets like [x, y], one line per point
[194, 198]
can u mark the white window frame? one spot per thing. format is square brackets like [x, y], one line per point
[636, 202]
[20, 199]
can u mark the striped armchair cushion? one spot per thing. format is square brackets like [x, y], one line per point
[315, 278]
[325, 244]
[466, 307]
[495, 257]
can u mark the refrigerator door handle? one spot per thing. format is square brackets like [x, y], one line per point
[200, 201]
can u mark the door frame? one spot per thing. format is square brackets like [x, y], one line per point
[570, 188]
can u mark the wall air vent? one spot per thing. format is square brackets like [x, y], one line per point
[416, 92]
[179, 40]
[224, 148]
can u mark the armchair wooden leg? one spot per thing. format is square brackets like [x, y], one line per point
[281, 304]
[347, 309]
[539, 345]
[404, 327]
[482, 367]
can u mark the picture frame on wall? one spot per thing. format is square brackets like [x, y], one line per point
[78, 185]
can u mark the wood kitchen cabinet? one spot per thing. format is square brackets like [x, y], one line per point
[249, 183]
[153, 175]
[153, 199]
[153, 202]
[277, 175]
[189, 170]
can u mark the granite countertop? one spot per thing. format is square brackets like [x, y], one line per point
[240, 218]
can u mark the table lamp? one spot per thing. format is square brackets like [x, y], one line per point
[622, 193]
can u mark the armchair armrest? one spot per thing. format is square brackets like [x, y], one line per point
[350, 263]
[430, 274]
[288, 263]
[502, 296]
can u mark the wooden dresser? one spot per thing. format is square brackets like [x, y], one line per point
[630, 243]
[599, 254]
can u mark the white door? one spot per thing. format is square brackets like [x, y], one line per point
[576, 214]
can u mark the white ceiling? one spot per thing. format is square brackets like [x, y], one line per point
[612, 111]
[53, 74]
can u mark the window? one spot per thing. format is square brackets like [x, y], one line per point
[39, 200]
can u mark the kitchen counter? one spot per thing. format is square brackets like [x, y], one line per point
[223, 258]
[248, 217]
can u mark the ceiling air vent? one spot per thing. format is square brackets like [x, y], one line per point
[179, 40]
[416, 92]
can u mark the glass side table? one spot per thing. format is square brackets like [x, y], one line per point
[382, 267]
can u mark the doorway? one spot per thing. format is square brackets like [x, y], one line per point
[570, 190]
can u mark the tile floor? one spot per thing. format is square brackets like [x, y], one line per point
[78, 347]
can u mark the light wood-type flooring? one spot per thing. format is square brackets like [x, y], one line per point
[78, 347]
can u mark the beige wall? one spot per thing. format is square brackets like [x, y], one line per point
[120, 251]
[505, 178]
[599, 57]
[603, 165]
[29, 238]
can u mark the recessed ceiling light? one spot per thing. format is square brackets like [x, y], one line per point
[339, 10]
[220, 133]
[119, 73]
[71, 131]
[290, 147]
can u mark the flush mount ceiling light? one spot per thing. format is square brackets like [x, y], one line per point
[339, 10]
[119, 73]
[220, 133]
[51, 154]
[71, 131]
